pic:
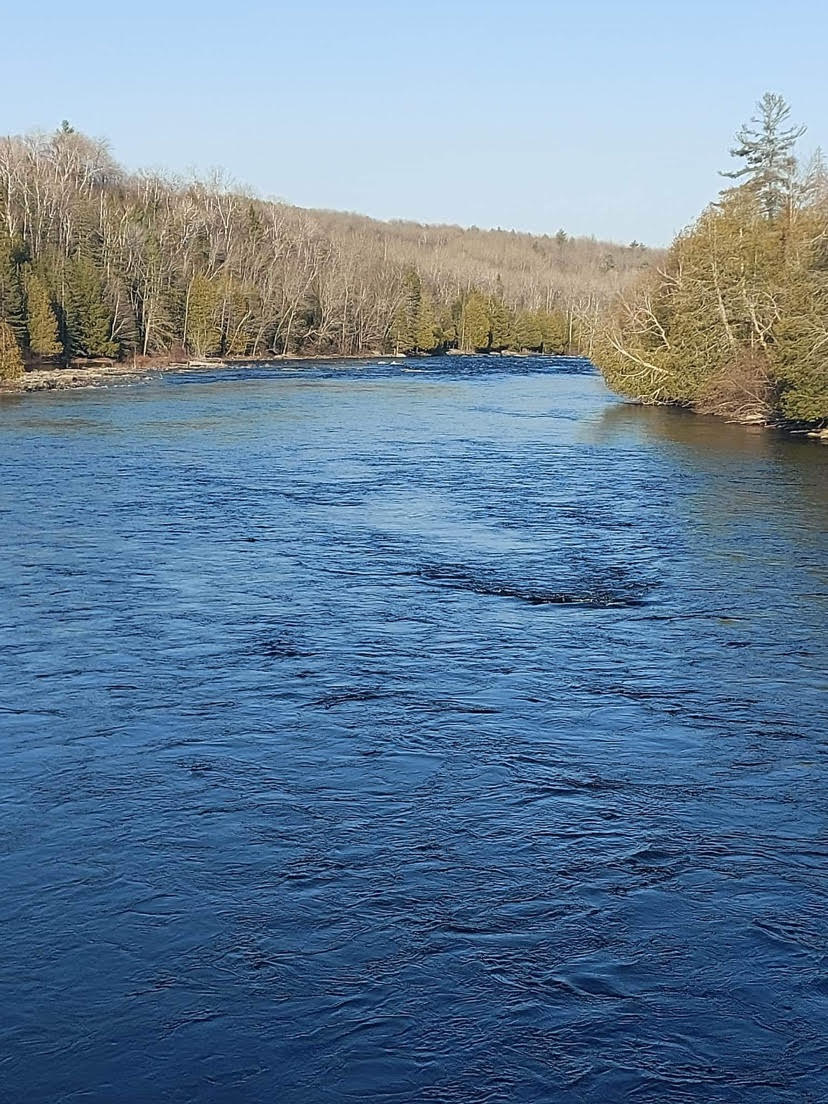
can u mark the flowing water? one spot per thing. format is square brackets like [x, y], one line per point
[438, 731]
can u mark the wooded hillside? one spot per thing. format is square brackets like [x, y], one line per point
[97, 262]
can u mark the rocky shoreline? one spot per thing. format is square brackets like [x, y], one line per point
[104, 374]
[85, 376]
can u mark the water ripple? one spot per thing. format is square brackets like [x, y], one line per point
[441, 730]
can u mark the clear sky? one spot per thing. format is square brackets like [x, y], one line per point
[605, 118]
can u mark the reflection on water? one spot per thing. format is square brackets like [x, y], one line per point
[451, 734]
[747, 479]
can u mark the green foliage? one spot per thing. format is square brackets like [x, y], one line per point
[415, 328]
[202, 333]
[41, 321]
[426, 335]
[88, 316]
[12, 252]
[445, 326]
[527, 331]
[500, 323]
[553, 330]
[736, 322]
[138, 263]
[475, 326]
[404, 328]
[11, 362]
[766, 147]
[801, 352]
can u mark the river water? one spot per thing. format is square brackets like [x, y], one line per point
[436, 731]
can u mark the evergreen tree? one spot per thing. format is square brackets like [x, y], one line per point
[11, 293]
[553, 332]
[88, 316]
[800, 349]
[445, 327]
[736, 323]
[11, 362]
[475, 330]
[415, 327]
[404, 330]
[527, 332]
[766, 147]
[426, 338]
[41, 322]
[203, 335]
[500, 320]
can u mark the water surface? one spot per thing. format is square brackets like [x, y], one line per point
[434, 731]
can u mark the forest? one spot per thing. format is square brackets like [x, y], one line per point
[96, 262]
[735, 321]
[99, 263]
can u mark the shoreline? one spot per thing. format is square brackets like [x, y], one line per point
[794, 429]
[92, 376]
[84, 376]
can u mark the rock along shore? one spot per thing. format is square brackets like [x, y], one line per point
[105, 373]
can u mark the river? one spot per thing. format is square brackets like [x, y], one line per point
[440, 731]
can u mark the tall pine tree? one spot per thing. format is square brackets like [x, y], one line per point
[766, 146]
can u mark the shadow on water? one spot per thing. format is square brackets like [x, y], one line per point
[737, 470]
[706, 434]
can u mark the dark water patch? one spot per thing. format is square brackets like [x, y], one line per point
[275, 648]
[346, 697]
[459, 578]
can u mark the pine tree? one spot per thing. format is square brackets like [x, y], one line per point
[800, 350]
[404, 330]
[11, 294]
[500, 319]
[88, 316]
[426, 337]
[445, 326]
[766, 148]
[11, 362]
[41, 322]
[203, 335]
[527, 332]
[475, 329]
[553, 332]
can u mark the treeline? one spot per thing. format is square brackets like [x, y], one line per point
[99, 263]
[735, 322]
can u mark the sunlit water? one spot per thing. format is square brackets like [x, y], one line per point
[435, 731]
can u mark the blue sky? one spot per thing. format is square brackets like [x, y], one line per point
[604, 118]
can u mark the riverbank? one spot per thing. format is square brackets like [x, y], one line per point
[108, 373]
[64, 379]
[794, 429]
